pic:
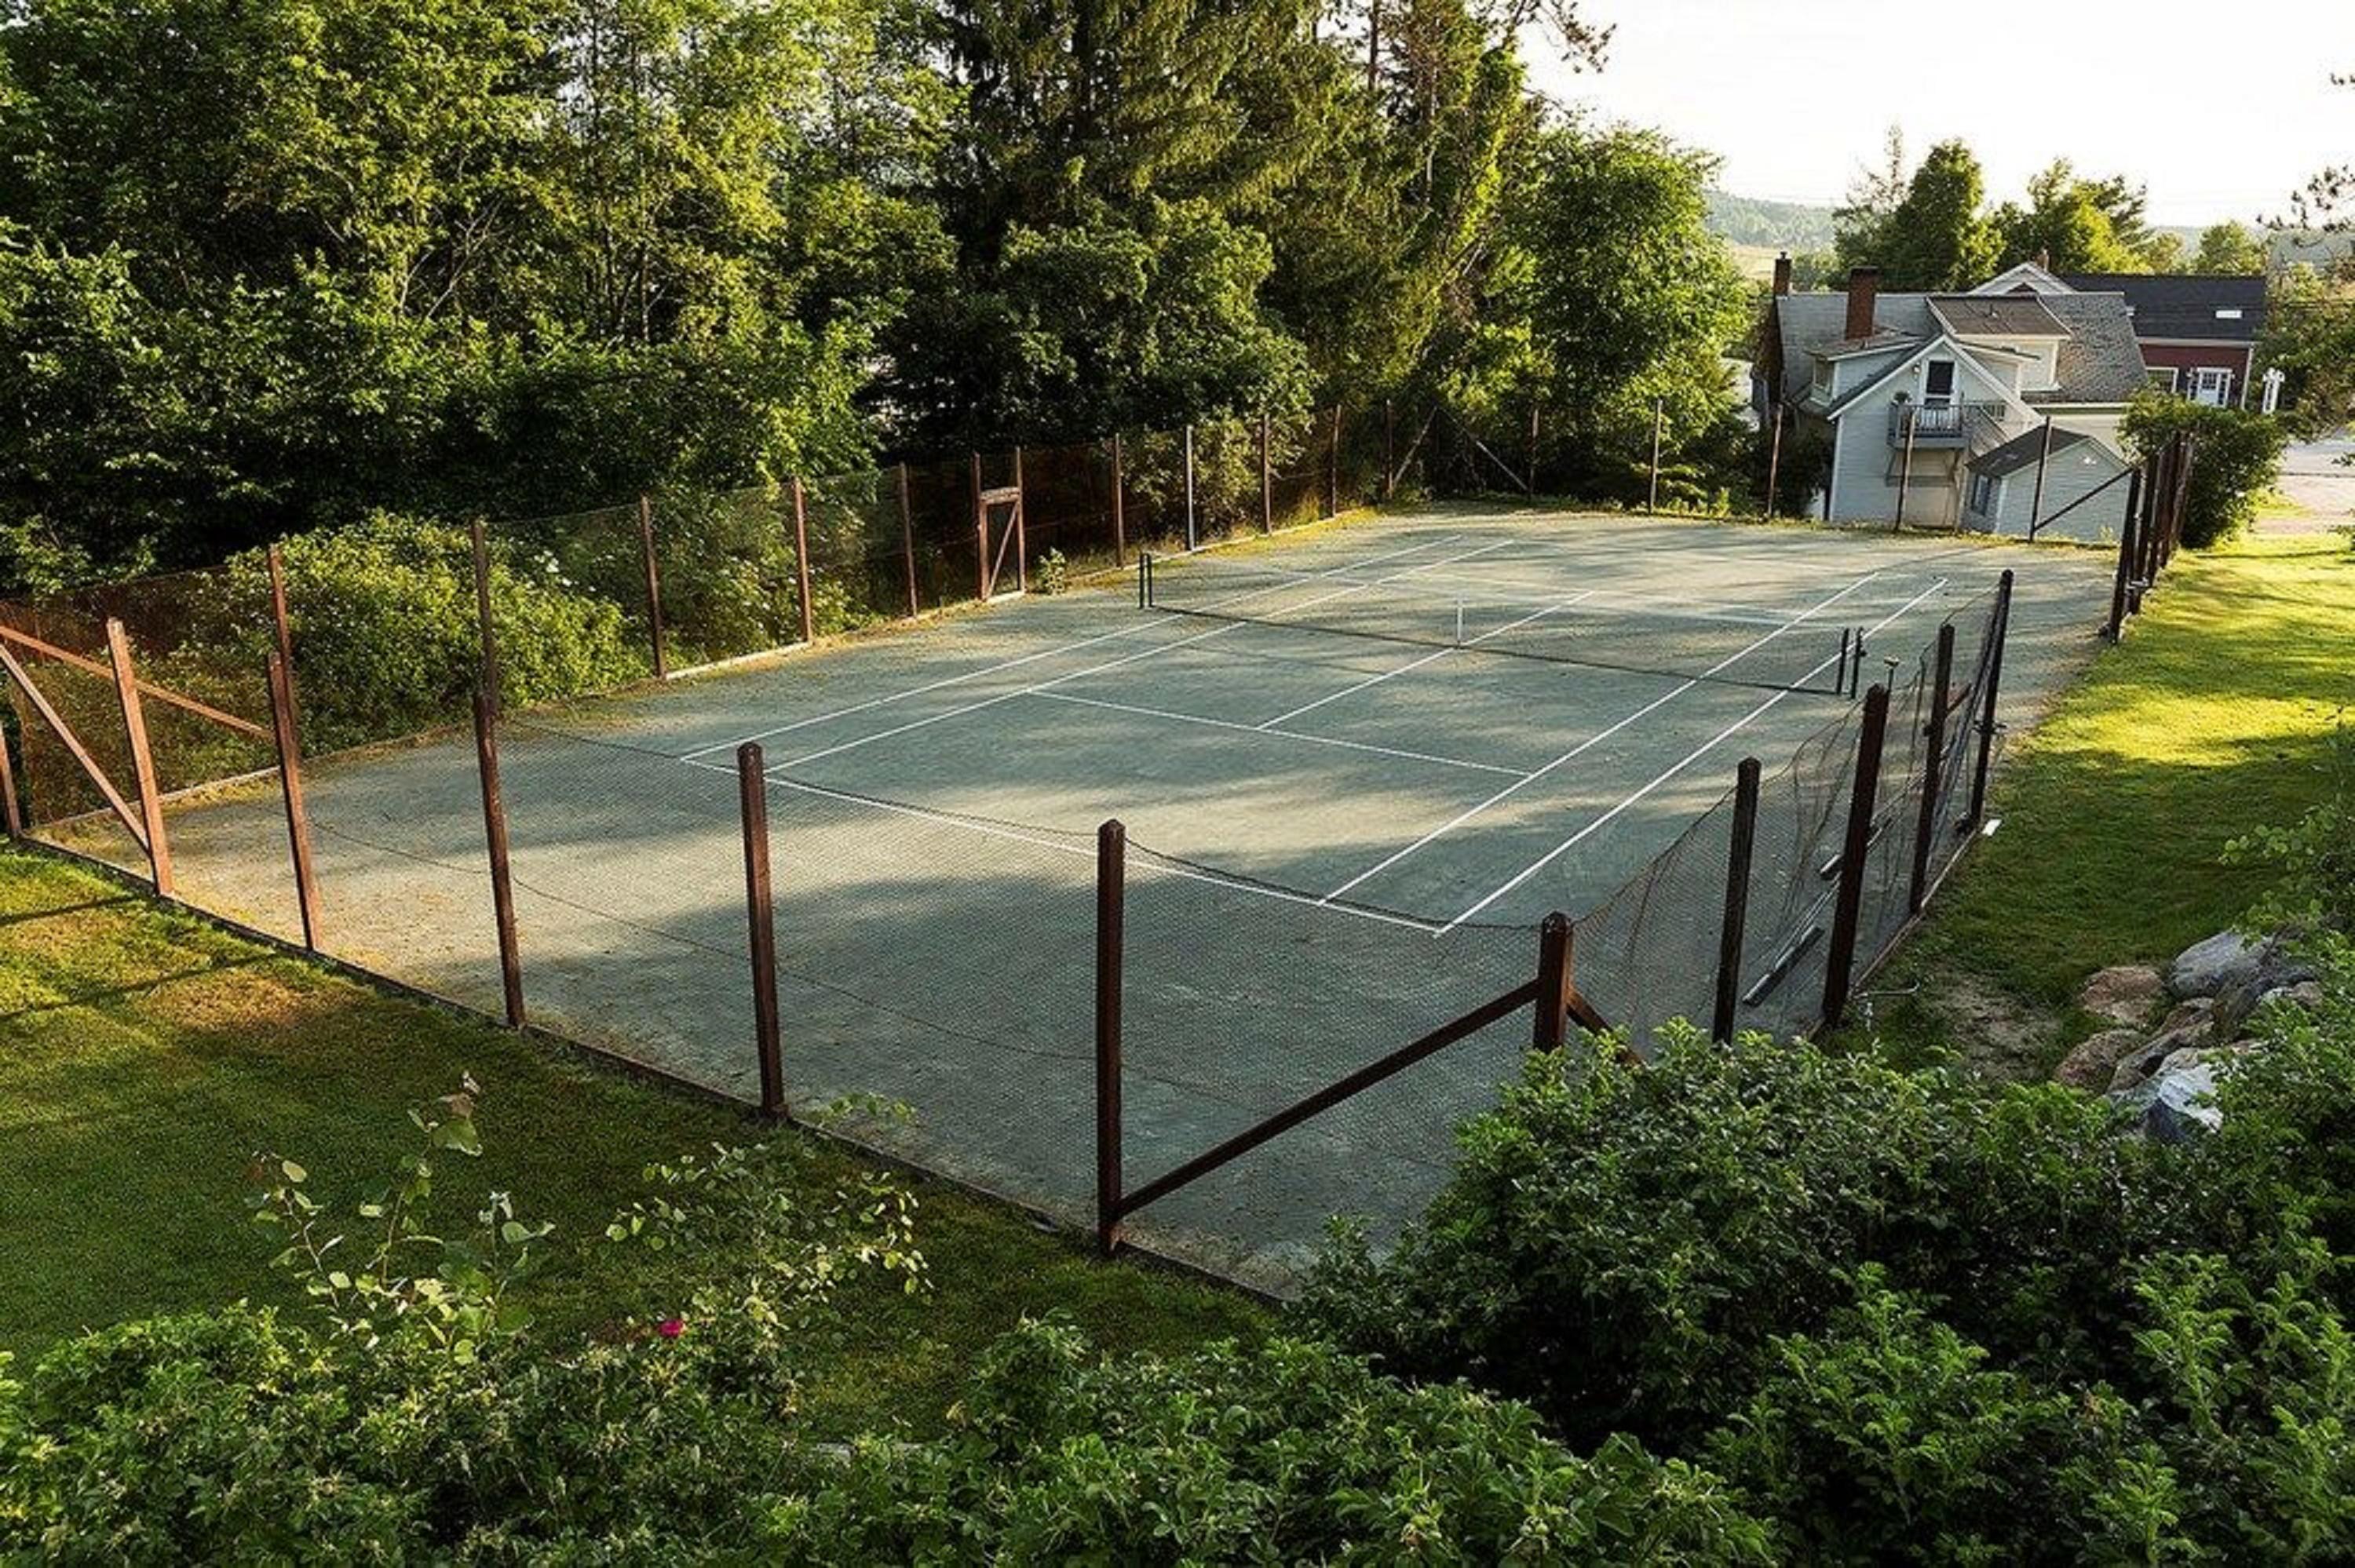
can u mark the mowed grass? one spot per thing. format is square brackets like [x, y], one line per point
[2212, 719]
[146, 1055]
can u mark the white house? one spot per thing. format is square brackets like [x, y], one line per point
[1930, 403]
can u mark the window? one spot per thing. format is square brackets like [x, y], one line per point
[1938, 383]
[2163, 376]
[1984, 490]
[2211, 385]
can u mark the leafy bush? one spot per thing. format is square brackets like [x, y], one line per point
[2236, 456]
[2315, 855]
[1622, 1246]
[386, 631]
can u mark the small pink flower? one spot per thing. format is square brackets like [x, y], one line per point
[671, 1328]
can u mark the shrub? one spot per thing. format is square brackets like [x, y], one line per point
[2315, 856]
[1621, 1246]
[2236, 456]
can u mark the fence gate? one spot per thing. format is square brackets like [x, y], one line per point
[998, 530]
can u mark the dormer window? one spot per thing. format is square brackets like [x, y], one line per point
[1938, 383]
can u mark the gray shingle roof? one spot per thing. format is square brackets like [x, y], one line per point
[1997, 315]
[2100, 362]
[2025, 449]
[2168, 304]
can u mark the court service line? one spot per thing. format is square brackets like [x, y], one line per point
[1003, 831]
[1056, 652]
[1353, 690]
[1704, 749]
[1278, 734]
[1139, 656]
[1593, 740]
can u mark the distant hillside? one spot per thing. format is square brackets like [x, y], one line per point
[1773, 225]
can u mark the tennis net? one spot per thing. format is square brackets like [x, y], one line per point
[1735, 645]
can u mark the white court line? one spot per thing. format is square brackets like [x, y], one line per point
[1143, 653]
[1053, 652]
[1002, 831]
[1426, 659]
[1669, 697]
[1631, 600]
[1278, 734]
[1704, 749]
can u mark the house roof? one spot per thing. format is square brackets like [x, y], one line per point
[2026, 449]
[2099, 361]
[2026, 276]
[2177, 304]
[1997, 315]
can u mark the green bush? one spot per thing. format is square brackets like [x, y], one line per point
[2236, 457]
[386, 631]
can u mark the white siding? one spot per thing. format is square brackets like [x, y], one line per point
[1864, 462]
[2074, 474]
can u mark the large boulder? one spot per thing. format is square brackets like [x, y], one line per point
[2175, 1106]
[2095, 1062]
[2124, 993]
[2225, 960]
[2278, 971]
[2190, 1024]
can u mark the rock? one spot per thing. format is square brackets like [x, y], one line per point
[2124, 993]
[2225, 960]
[2306, 995]
[2190, 1025]
[2184, 1017]
[2193, 1055]
[2095, 1061]
[2175, 1106]
[2277, 970]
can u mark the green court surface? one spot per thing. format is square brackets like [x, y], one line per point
[1357, 767]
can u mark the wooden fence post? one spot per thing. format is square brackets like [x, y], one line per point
[290, 787]
[802, 575]
[1534, 406]
[495, 836]
[1021, 529]
[1333, 468]
[12, 810]
[2120, 601]
[907, 542]
[759, 907]
[142, 757]
[1652, 494]
[1390, 444]
[1112, 881]
[487, 637]
[1774, 465]
[1737, 900]
[654, 585]
[1839, 963]
[1190, 540]
[980, 534]
[1266, 479]
[2000, 633]
[1934, 767]
[1119, 506]
[281, 623]
[2043, 462]
[1550, 1027]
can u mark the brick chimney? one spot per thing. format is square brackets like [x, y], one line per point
[1781, 274]
[1863, 294]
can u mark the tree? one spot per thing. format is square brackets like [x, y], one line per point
[1936, 238]
[1861, 223]
[2066, 227]
[2228, 248]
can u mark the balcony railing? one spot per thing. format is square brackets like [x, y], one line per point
[1935, 425]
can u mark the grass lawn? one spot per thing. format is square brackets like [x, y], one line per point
[2212, 719]
[144, 1055]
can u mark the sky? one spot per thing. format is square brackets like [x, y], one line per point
[2221, 109]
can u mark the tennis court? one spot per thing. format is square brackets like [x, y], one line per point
[1359, 766]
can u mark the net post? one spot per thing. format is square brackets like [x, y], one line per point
[653, 564]
[1021, 534]
[1934, 768]
[1333, 468]
[907, 542]
[142, 757]
[2116, 627]
[1119, 515]
[290, 787]
[494, 839]
[1839, 962]
[1191, 541]
[1112, 881]
[802, 563]
[1652, 494]
[1390, 444]
[1773, 464]
[1839, 676]
[1550, 1030]
[1266, 478]
[761, 920]
[487, 637]
[1999, 633]
[1737, 900]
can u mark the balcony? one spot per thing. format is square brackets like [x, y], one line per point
[1937, 427]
